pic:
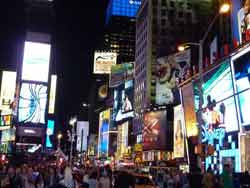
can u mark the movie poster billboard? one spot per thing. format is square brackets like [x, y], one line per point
[8, 89]
[155, 130]
[52, 94]
[36, 61]
[179, 133]
[123, 101]
[32, 103]
[103, 138]
[189, 110]
[169, 70]
[241, 66]
[120, 73]
[82, 133]
[103, 62]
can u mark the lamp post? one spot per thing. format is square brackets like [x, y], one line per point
[72, 122]
[223, 10]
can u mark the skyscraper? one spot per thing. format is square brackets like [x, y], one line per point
[120, 28]
[160, 26]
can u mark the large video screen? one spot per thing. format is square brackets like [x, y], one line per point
[82, 132]
[218, 108]
[32, 103]
[36, 62]
[52, 94]
[103, 139]
[155, 130]
[241, 66]
[123, 101]
[168, 70]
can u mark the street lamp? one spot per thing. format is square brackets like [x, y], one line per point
[72, 122]
[224, 8]
[59, 137]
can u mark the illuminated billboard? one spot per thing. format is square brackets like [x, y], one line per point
[123, 101]
[122, 139]
[241, 66]
[120, 73]
[82, 133]
[168, 70]
[49, 132]
[32, 103]
[8, 89]
[155, 130]
[52, 94]
[103, 62]
[179, 135]
[240, 16]
[36, 62]
[103, 138]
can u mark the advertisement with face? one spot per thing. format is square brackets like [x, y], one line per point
[240, 20]
[123, 101]
[8, 89]
[103, 140]
[32, 103]
[168, 70]
[154, 131]
[178, 132]
[103, 62]
[36, 61]
[241, 67]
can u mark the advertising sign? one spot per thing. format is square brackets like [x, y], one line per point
[103, 62]
[240, 20]
[168, 70]
[189, 112]
[82, 133]
[179, 134]
[103, 138]
[123, 101]
[52, 94]
[32, 103]
[241, 66]
[154, 131]
[7, 135]
[122, 139]
[8, 88]
[49, 132]
[120, 73]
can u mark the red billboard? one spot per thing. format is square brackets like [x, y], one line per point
[155, 131]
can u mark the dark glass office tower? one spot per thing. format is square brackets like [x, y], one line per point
[120, 28]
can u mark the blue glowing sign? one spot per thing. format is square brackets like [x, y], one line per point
[49, 132]
[127, 8]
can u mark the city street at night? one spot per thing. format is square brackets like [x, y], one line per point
[125, 94]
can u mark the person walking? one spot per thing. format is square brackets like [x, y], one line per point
[208, 179]
[68, 180]
[104, 180]
[226, 177]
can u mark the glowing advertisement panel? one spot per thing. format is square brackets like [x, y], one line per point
[240, 16]
[123, 101]
[154, 130]
[218, 117]
[103, 140]
[168, 70]
[8, 89]
[52, 94]
[241, 66]
[36, 62]
[103, 62]
[82, 133]
[32, 103]
[120, 73]
[49, 132]
[178, 132]
[122, 138]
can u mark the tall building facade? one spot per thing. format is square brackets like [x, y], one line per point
[160, 26]
[120, 28]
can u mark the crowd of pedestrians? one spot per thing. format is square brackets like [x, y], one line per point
[53, 176]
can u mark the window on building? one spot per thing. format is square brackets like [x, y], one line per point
[180, 14]
[172, 4]
[163, 22]
[163, 3]
[163, 12]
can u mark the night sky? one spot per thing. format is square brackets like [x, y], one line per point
[77, 29]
